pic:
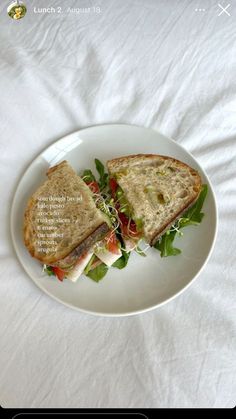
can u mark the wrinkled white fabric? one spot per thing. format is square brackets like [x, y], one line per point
[160, 64]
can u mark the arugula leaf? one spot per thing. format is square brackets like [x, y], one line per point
[98, 273]
[103, 181]
[48, 270]
[139, 251]
[122, 261]
[88, 176]
[165, 245]
[99, 167]
[193, 216]
[88, 266]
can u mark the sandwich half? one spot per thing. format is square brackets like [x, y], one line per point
[63, 228]
[151, 193]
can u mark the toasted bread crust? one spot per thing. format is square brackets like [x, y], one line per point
[98, 234]
[86, 225]
[131, 160]
[53, 169]
[157, 234]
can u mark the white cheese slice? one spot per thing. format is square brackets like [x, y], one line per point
[107, 257]
[79, 268]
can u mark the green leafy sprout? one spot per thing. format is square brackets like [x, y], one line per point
[192, 216]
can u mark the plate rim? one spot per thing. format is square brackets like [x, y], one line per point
[113, 314]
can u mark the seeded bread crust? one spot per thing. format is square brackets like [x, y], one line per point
[145, 177]
[83, 247]
[87, 224]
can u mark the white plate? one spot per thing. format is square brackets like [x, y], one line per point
[145, 283]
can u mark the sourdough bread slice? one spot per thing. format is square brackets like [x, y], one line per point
[159, 189]
[76, 224]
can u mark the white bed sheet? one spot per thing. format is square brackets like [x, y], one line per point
[160, 64]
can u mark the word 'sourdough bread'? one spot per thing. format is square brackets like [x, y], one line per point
[159, 190]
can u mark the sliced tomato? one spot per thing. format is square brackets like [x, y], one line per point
[93, 186]
[123, 218]
[130, 231]
[113, 186]
[128, 225]
[60, 274]
[112, 243]
[133, 229]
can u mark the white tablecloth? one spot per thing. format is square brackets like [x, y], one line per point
[160, 64]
